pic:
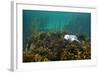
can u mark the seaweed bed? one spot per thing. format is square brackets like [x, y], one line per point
[51, 46]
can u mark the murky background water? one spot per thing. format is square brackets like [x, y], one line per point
[51, 21]
[56, 36]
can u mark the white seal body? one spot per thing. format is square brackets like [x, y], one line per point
[71, 38]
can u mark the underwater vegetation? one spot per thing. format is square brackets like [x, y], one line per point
[51, 46]
[56, 36]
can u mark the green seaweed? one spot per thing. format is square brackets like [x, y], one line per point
[51, 46]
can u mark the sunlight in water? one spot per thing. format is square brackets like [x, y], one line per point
[56, 36]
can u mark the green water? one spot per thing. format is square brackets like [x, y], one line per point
[54, 21]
